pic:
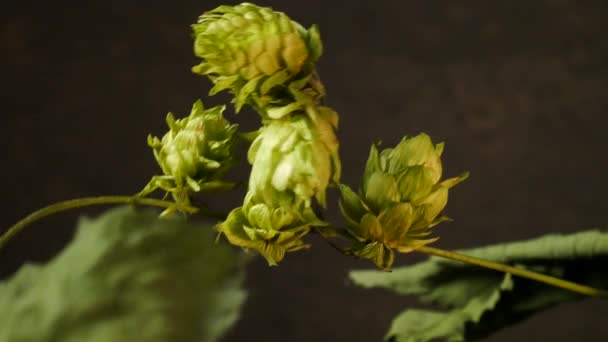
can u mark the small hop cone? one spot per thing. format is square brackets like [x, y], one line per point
[271, 230]
[294, 160]
[194, 154]
[256, 52]
[401, 199]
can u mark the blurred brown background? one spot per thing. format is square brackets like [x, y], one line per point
[517, 89]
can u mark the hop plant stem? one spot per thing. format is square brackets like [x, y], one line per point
[83, 202]
[327, 233]
[520, 272]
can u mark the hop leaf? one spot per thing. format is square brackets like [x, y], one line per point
[472, 302]
[256, 52]
[195, 154]
[402, 197]
[127, 276]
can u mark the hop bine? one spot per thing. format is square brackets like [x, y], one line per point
[263, 57]
[401, 199]
[194, 154]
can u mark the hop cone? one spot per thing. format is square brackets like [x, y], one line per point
[195, 154]
[256, 53]
[401, 199]
[294, 160]
[271, 230]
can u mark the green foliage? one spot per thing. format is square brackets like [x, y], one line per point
[401, 199]
[480, 301]
[127, 276]
[194, 154]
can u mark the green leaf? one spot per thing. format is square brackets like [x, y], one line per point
[127, 276]
[425, 325]
[479, 301]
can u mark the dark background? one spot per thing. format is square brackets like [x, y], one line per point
[517, 89]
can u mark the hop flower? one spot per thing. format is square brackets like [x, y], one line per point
[256, 53]
[195, 154]
[401, 199]
[272, 230]
[294, 159]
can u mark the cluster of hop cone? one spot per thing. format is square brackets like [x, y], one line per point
[267, 62]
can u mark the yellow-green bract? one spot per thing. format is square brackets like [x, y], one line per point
[401, 199]
[194, 154]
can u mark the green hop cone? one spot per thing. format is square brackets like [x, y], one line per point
[256, 53]
[401, 199]
[271, 230]
[294, 160]
[195, 154]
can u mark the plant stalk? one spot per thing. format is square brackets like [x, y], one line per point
[520, 272]
[83, 202]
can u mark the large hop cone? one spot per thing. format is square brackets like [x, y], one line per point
[271, 230]
[401, 199]
[194, 154]
[256, 53]
[295, 159]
